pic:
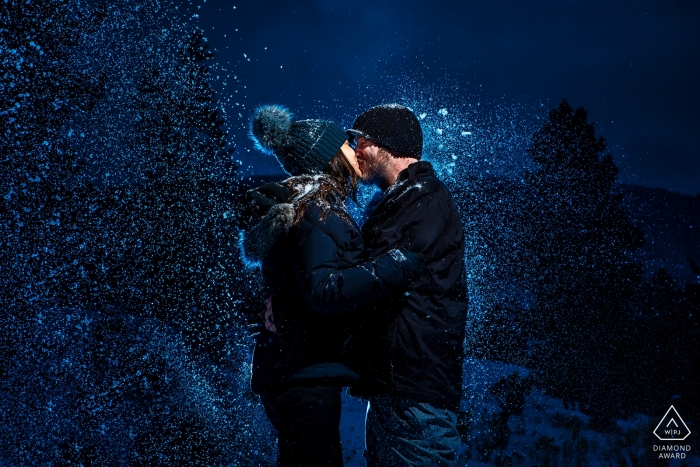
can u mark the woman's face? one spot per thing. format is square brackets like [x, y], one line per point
[350, 156]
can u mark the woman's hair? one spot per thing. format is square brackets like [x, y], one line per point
[340, 180]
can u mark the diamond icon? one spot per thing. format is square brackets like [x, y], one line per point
[672, 427]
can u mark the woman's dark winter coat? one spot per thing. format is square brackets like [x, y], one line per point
[316, 279]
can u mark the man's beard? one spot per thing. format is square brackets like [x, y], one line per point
[374, 169]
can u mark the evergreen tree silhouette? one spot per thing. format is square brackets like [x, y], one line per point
[174, 229]
[577, 236]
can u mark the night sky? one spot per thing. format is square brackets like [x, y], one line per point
[124, 338]
[634, 65]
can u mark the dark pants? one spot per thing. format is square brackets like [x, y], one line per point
[404, 433]
[307, 420]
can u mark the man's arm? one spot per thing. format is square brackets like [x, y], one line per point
[331, 290]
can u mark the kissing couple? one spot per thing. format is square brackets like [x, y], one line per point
[380, 309]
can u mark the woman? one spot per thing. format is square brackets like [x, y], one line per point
[311, 252]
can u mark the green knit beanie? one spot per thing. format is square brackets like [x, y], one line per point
[301, 146]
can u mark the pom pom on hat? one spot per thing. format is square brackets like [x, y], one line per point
[270, 127]
[301, 146]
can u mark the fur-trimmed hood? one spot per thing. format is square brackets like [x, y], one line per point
[259, 240]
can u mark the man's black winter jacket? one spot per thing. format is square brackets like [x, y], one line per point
[411, 344]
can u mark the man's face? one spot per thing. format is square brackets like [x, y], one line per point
[371, 159]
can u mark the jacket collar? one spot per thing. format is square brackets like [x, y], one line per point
[418, 169]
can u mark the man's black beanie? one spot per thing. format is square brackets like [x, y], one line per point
[392, 126]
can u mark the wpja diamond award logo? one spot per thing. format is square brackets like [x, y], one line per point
[672, 428]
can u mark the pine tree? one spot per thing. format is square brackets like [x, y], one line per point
[577, 236]
[175, 227]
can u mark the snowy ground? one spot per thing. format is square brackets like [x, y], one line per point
[352, 430]
[546, 433]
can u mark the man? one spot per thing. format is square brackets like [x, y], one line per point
[409, 348]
